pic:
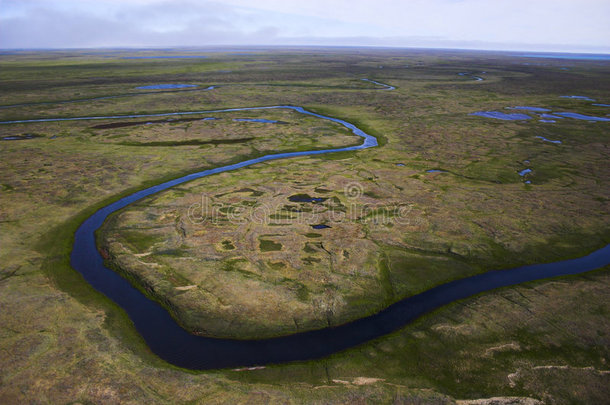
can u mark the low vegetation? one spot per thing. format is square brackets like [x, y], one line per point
[64, 342]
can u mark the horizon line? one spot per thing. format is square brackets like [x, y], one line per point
[201, 47]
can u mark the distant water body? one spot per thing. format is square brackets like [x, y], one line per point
[501, 116]
[575, 56]
[165, 86]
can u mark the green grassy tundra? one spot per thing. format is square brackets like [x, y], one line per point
[467, 205]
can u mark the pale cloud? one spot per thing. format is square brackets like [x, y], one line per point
[566, 25]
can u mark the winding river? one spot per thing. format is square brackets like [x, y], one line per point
[172, 343]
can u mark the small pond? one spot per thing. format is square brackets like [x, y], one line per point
[524, 172]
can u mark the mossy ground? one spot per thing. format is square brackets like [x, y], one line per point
[63, 342]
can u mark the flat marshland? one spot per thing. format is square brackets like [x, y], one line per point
[475, 194]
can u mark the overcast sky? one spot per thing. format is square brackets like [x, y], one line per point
[537, 25]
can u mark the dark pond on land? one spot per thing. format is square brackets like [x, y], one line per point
[305, 198]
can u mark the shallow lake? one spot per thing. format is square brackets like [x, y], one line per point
[501, 116]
